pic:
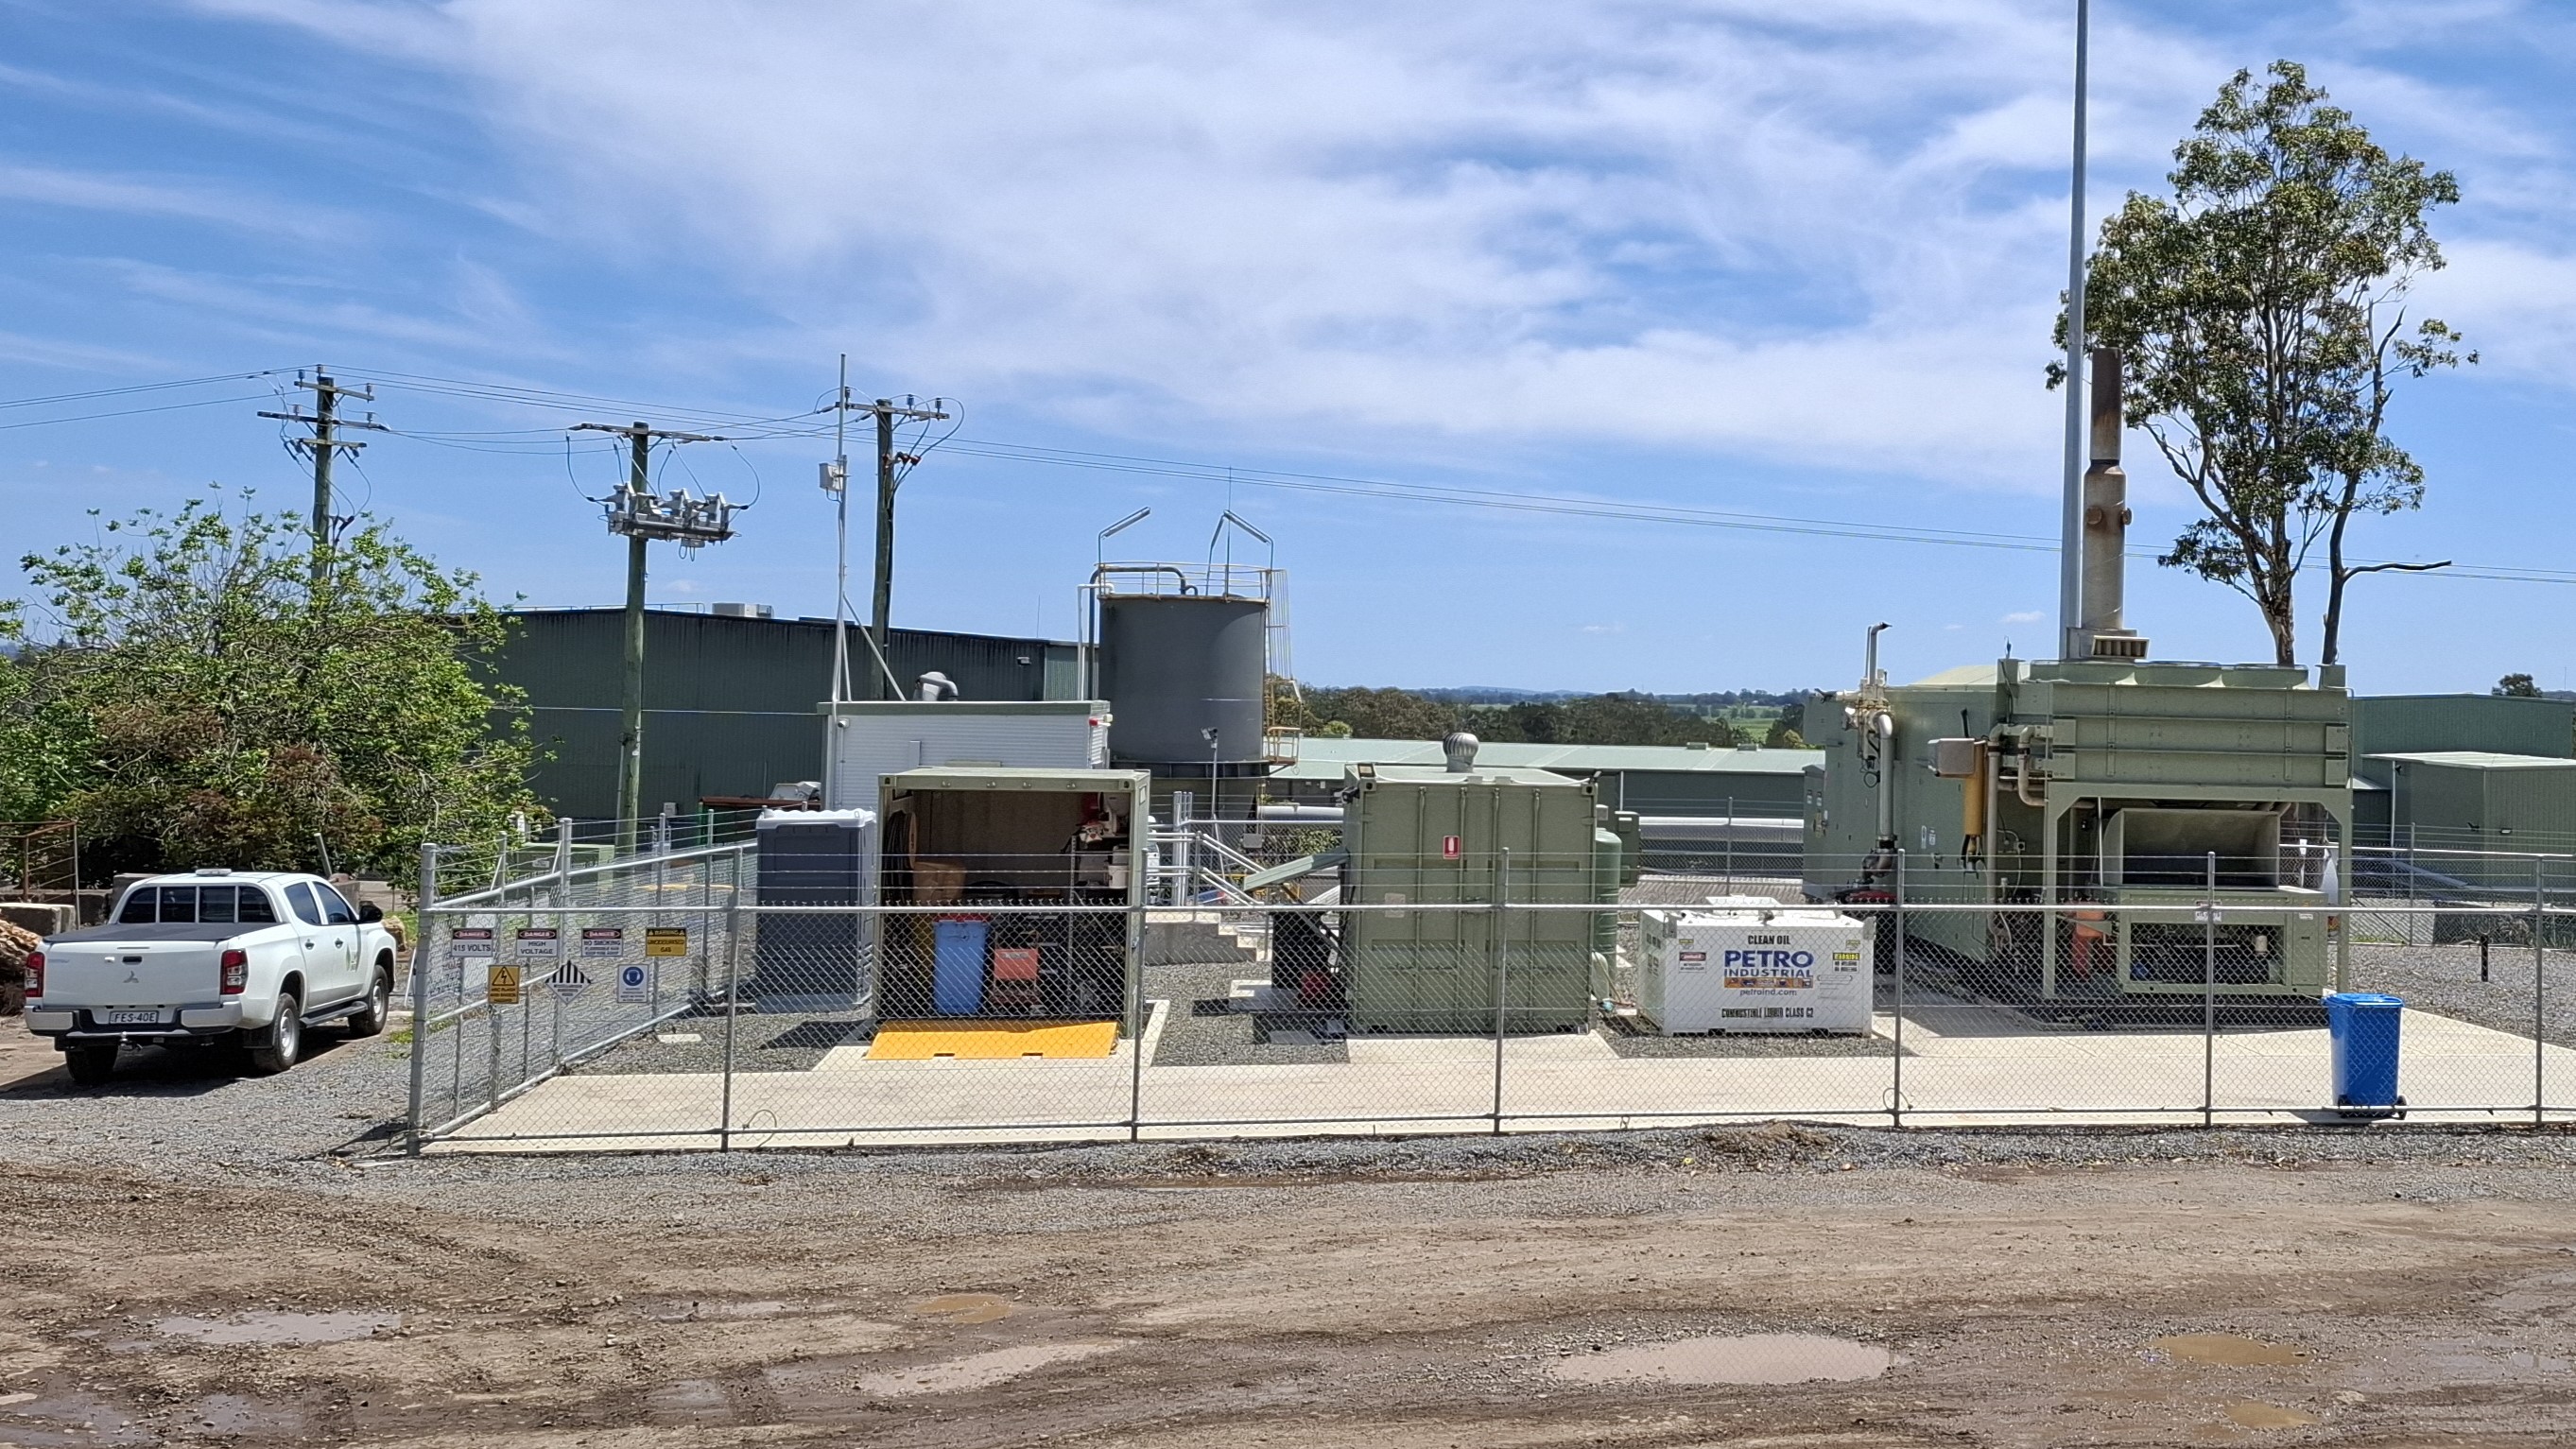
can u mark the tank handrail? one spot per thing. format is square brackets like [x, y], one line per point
[1175, 570]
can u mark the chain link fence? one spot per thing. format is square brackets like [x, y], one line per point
[657, 1002]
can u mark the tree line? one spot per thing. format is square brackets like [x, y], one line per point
[1599, 719]
[196, 687]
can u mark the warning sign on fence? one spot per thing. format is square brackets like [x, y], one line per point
[603, 942]
[633, 984]
[569, 980]
[470, 940]
[501, 986]
[540, 943]
[666, 940]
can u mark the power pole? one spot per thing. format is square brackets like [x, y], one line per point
[890, 469]
[322, 445]
[879, 618]
[635, 512]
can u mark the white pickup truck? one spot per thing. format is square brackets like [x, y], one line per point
[212, 956]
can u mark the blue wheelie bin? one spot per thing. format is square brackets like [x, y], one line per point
[957, 965]
[2362, 1026]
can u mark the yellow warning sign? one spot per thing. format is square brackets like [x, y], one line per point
[666, 940]
[501, 986]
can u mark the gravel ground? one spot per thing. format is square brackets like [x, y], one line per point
[193, 1115]
[1202, 1030]
[187, 1118]
[2444, 979]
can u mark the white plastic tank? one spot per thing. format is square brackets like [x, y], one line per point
[1751, 964]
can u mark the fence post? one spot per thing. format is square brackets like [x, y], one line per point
[724, 1122]
[2209, 997]
[2539, 997]
[425, 895]
[567, 949]
[1136, 890]
[1502, 976]
[1896, 923]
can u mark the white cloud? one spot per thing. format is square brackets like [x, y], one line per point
[164, 197]
[2022, 616]
[1826, 234]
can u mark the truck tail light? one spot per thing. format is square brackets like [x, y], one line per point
[236, 972]
[35, 974]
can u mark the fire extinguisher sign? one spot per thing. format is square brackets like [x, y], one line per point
[1452, 847]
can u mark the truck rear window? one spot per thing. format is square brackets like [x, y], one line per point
[187, 904]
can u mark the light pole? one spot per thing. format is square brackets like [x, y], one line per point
[2070, 558]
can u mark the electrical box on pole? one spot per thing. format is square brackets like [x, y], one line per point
[643, 516]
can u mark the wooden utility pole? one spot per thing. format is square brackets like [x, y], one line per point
[323, 443]
[635, 512]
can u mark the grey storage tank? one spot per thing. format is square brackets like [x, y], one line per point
[1184, 653]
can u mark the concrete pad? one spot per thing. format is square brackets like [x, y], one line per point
[1407, 1048]
[1401, 1085]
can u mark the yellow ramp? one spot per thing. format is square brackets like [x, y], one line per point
[990, 1041]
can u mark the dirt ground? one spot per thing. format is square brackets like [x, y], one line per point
[331, 1293]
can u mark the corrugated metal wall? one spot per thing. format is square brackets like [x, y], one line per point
[729, 703]
[2406, 724]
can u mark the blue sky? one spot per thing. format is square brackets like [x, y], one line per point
[1781, 259]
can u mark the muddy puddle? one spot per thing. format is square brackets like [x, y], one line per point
[2228, 1350]
[965, 1308]
[1752, 1358]
[272, 1329]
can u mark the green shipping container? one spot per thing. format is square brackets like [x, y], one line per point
[1422, 837]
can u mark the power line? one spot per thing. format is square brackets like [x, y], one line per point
[1540, 503]
[135, 412]
[63, 397]
[813, 422]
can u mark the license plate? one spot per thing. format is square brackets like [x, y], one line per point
[129, 1018]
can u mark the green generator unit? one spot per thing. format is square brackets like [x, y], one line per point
[2103, 787]
[1469, 836]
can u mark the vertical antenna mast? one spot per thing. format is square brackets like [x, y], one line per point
[837, 479]
[2070, 545]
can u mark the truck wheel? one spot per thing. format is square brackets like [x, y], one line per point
[285, 1038]
[369, 1019]
[91, 1063]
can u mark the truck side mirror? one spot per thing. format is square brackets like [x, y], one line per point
[370, 911]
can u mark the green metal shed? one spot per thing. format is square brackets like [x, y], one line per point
[2457, 810]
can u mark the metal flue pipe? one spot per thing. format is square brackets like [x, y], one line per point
[2106, 504]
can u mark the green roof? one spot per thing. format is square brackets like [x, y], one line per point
[1324, 759]
[2481, 760]
[1443, 775]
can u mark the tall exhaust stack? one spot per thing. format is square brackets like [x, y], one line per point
[2106, 524]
